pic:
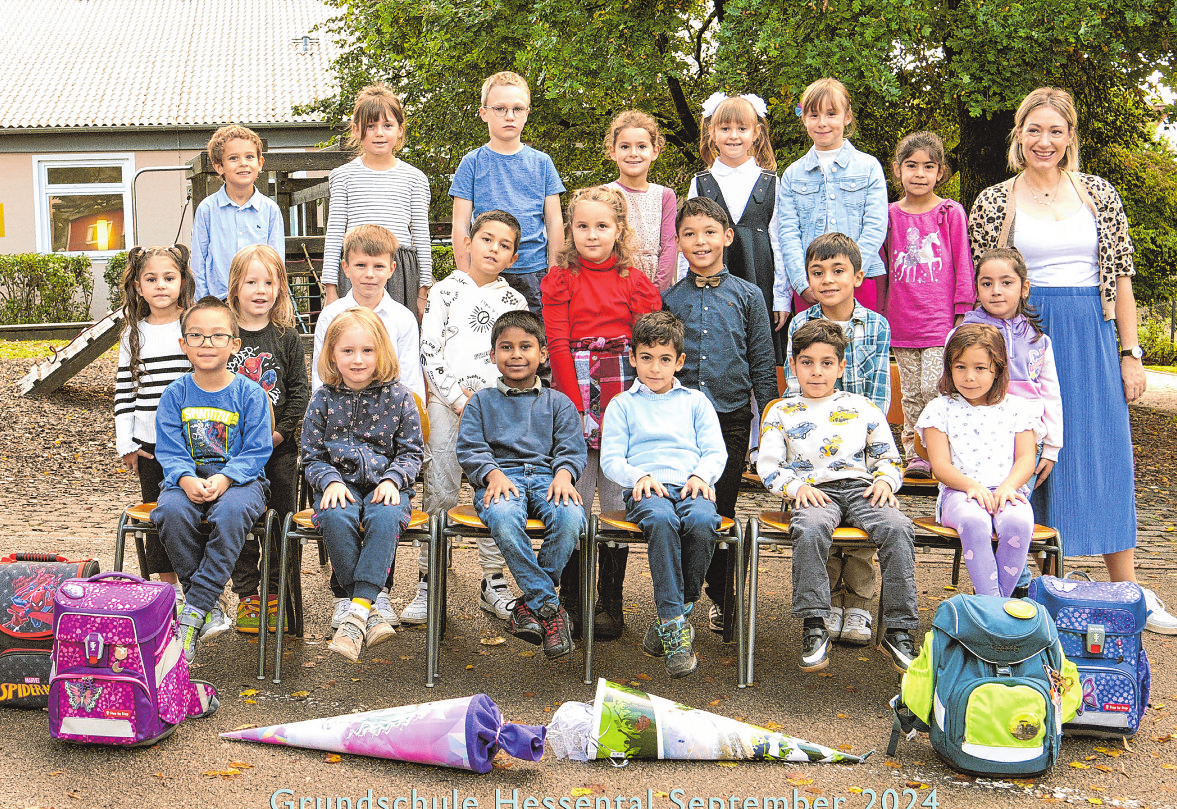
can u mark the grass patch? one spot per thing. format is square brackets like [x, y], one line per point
[29, 349]
[1164, 369]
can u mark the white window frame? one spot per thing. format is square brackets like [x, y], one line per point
[43, 190]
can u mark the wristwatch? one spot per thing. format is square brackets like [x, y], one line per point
[1135, 352]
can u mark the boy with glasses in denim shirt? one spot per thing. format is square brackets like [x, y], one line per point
[510, 176]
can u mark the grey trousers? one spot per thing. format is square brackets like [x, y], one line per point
[812, 530]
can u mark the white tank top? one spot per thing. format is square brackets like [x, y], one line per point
[1059, 253]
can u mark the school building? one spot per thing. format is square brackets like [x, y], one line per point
[97, 97]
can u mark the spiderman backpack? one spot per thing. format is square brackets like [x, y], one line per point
[119, 673]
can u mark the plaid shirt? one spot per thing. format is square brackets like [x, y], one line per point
[868, 357]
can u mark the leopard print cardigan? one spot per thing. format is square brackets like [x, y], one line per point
[991, 225]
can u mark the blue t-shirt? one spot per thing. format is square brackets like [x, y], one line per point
[518, 184]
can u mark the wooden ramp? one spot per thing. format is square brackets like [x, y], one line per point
[49, 375]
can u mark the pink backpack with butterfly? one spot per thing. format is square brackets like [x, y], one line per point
[119, 674]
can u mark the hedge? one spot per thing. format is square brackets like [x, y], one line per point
[53, 288]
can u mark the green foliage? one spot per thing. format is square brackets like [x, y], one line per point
[52, 288]
[113, 276]
[1154, 340]
[443, 261]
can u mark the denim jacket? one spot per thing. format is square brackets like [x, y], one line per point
[851, 200]
[362, 437]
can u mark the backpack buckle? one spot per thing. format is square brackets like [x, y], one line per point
[1004, 671]
[1096, 636]
[94, 647]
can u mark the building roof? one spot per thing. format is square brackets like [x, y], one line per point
[161, 63]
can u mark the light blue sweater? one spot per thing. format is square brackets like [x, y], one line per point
[669, 436]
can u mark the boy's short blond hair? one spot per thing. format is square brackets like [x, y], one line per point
[216, 144]
[371, 240]
[504, 79]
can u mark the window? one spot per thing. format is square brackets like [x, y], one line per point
[83, 202]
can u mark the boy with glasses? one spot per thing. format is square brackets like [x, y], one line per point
[510, 176]
[213, 438]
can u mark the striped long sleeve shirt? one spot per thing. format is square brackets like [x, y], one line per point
[162, 361]
[397, 199]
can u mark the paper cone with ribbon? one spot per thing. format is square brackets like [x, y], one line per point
[465, 733]
[624, 722]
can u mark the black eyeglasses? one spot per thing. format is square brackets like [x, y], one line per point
[501, 112]
[196, 339]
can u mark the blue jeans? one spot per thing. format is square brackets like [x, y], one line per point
[362, 560]
[202, 564]
[537, 575]
[680, 537]
[527, 285]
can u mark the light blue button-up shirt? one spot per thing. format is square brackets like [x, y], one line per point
[221, 227]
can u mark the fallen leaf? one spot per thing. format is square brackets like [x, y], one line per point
[580, 792]
[641, 676]
[1103, 768]
[241, 765]
[1096, 801]
[528, 694]
[770, 725]
[854, 790]
[528, 653]
[1168, 737]
[799, 782]
[301, 694]
[825, 674]
[332, 758]
[494, 641]
[950, 588]
[1090, 758]
[894, 765]
[846, 748]
[310, 664]
[917, 785]
[251, 702]
[661, 795]
[249, 692]
[715, 703]
[1078, 765]
[1169, 766]
[843, 716]
[813, 790]
[229, 773]
[469, 667]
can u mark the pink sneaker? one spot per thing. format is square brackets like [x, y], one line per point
[918, 468]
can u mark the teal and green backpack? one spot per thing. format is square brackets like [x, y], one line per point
[989, 687]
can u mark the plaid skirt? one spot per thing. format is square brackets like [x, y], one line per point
[602, 372]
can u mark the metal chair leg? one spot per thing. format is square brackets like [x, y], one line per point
[741, 639]
[588, 596]
[283, 583]
[263, 618]
[434, 617]
[753, 593]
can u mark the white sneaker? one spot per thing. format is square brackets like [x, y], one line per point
[856, 627]
[417, 610]
[1159, 619]
[382, 606]
[834, 622]
[340, 614]
[215, 623]
[496, 596]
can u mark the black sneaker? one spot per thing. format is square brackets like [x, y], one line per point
[678, 640]
[815, 649]
[524, 624]
[652, 641]
[557, 629]
[715, 619]
[901, 646]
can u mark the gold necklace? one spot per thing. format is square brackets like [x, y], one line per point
[1046, 200]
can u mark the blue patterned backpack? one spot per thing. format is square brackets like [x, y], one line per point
[1100, 624]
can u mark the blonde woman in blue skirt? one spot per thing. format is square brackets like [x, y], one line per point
[1072, 231]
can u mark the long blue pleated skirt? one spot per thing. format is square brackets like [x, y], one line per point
[1090, 496]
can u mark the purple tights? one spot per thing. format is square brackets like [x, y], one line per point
[992, 574]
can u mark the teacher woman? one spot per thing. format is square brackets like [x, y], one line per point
[1072, 231]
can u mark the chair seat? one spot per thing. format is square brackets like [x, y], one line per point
[779, 521]
[616, 519]
[140, 512]
[304, 519]
[920, 483]
[1041, 532]
[466, 516]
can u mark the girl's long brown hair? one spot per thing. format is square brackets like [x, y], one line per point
[1014, 257]
[977, 335]
[135, 308]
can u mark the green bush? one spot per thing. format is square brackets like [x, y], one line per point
[113, 276]
[443, 261]
[1154, 340]
[50, 288]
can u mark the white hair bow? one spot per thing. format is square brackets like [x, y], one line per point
[715, 99]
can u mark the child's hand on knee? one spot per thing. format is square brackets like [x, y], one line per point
[1005, 494]
[336, 494]
[880, 494]
[215, 486]
[696, 486]
[811, 496]
[498, 485]
[561, 491]
[387, 493]
[983, 496]
[647, 486]
[194, 488]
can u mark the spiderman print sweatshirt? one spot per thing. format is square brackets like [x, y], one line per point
[362, 438]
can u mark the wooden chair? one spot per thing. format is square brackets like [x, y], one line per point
[298, 529]
[136, 521]
[931, 534]
[463, 521]
[610, 528]
[929, 486]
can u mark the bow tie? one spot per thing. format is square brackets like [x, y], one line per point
[707, 281]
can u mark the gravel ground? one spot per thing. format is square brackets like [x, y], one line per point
[63, 491]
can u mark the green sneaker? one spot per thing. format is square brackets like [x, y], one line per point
[677, 639]
[191, 622]
[249, 614]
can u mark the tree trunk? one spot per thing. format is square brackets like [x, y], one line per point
[982, 153]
